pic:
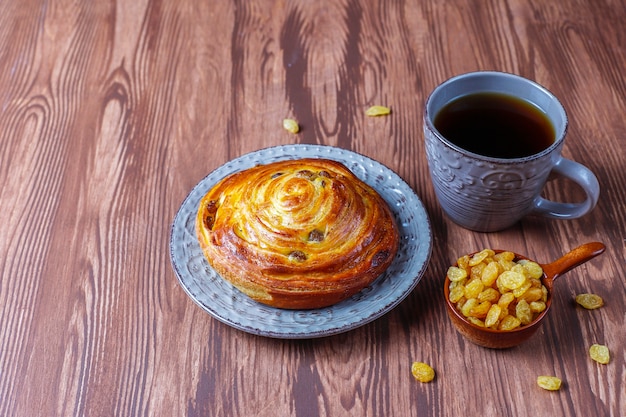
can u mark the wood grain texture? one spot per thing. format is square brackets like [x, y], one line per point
[112, 111]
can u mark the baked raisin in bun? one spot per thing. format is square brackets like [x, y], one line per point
[297, 234]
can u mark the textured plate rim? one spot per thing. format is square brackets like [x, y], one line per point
[369, 171]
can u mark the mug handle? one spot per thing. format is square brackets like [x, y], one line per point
[582, 176]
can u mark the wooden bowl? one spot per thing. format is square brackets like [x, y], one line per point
[502, 339]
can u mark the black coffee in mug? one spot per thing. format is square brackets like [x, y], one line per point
[495, 125]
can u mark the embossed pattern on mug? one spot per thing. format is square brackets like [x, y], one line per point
[508, 188]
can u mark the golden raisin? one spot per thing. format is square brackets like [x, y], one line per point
[519, 292]
[476, 321]
[505, 264]
[422, 372]
[291, 125]
[509, 323]
[468, 306]
[589, 301]
[377, 111]
[534, 269]
[463, 262]
[550, 383]
[505, 300]
[489, 294]
[457, 293]
[505, 256]
[493, 316]
[537, 306]
[519, 268]
[476, 271]
[511, 280]
[600, 353]
[533, 294]
[523, 312]
[490, 273]
[480, 256]
[480, 311]
[474, 288]
[456, 274]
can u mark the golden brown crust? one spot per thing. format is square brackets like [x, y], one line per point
[297, 234]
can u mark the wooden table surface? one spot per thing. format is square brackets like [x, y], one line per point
[112, 111]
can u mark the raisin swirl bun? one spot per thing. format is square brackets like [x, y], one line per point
[297, 234]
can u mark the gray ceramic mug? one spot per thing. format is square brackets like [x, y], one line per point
[488, 194]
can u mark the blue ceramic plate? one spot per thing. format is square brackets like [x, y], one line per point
[224, 302]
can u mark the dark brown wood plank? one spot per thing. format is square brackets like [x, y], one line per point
[111, 112]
